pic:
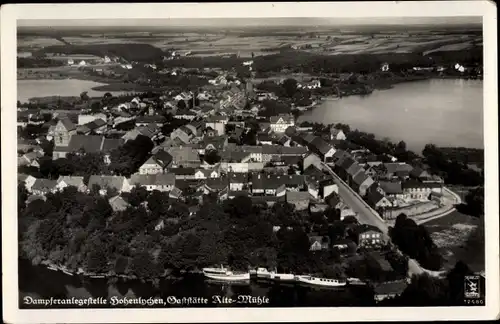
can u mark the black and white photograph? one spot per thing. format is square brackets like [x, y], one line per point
[289, 159]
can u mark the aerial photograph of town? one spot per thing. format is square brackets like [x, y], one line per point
[260, 162]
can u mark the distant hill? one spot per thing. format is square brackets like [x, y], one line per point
[130, 52]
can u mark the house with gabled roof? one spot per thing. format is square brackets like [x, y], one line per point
[105, 183]
[377, 201]
[280, 123]
[206, 174]
[392, 189]
[159, 181]
[89, 144]
[361, 182]
[27, 180]
[217, 123]
[118, 204]
[345, 165]
[419, 173]
[352, 171]
[184, 173]
[238, 181]
[397, 170]
[337, 134]
[184, 156]
[319, 242]
[41, 187]
[71, 181]
[156, 163]
[322, 149]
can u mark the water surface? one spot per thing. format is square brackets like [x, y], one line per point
[27, 89]
[443, 112]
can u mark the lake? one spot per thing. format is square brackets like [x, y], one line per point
[27, 89]
[443, 112]
[39, 282]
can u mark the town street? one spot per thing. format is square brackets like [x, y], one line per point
[366, 215]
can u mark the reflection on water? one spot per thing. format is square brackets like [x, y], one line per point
[443, 112]
[37, 281]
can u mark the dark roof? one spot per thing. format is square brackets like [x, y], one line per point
[216, 183]
[319, 145]
[163, 158]
[257, 199]
[68, 124]
[44, 184]
[182, 171]
[268, 181]
[346, 164]
[153, 179]
[238, 178]
[395, 167]
[104, 182]
[90, 143]
[374, 196]
[312, 170]
[110, 144]
[417, 172]
[332, 200]
[354, 169]
[391, 187]
[150, 119]
[95, 124]
[292, 196]
[360, 178]
[308, 137]
[417, 184]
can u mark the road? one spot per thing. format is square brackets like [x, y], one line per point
[367, 215]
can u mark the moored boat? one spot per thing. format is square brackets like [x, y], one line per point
[224, 274]
[283, 277]
[316, 281]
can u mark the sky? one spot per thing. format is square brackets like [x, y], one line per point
[250, 22]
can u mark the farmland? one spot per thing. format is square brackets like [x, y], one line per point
[324, 41]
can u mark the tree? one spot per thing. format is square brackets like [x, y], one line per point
[121, 265]
[212, 157]
[22, 196]
[290, 87]
[97, 261]
[416, 242]
[475, 201]
[84, 96]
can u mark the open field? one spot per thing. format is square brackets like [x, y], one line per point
[329, 42]
[451, 234]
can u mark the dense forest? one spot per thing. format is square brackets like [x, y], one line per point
[81, 231]
[130, 52]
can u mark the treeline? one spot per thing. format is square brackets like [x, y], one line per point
[452, 166]
[357, 139]
[343, 63]
[38, 62]
[155, 233]
[131, 52]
